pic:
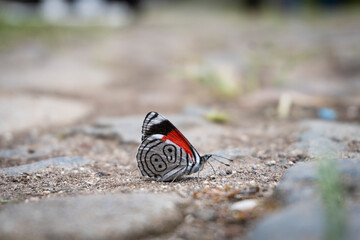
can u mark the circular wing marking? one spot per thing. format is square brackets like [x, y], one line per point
[170, 153]
[158, 163]
[157, 158]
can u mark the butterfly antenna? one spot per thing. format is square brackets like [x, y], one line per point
[198, 176]
[226, 164]
[229, 159]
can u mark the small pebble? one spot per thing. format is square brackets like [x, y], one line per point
[189, 219]
[327, 113]
[297, 152]
[206, 214]
[244, 205]
[252, 182]
[270, 163]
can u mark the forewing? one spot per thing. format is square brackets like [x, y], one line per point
[160, 159]
[155, 123]
[152, 119]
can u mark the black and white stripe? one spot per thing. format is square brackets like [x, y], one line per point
[164, 160]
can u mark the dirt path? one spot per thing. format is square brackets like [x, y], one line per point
[159, 64]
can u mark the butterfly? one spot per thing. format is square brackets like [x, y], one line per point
[164, 153]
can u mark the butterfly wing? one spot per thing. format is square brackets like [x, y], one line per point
[152, 119]
[161, 159]
[155, 123]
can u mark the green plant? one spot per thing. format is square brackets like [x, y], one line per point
[333, 197]
[217, 117]
[10, 200]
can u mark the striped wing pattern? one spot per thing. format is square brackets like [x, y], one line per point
[162, 160]
[165, 154]
[151, 119]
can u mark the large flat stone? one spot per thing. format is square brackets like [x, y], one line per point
[122, 216]
[334, 130]
[326, 136]
[13, 157]
[302, 215]
[19, 113]
[234, 153]
[21, 153]
[303, 221]
[64, 162]
[299, 182]
[128, 129]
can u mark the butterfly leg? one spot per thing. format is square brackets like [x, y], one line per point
[212, 168]
[174, 172]
[176, 176]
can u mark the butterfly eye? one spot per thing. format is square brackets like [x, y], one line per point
[170, 150]
[160, 166]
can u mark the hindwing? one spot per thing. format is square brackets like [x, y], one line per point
[161, 159]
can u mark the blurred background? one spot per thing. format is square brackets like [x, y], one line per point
[62, 61]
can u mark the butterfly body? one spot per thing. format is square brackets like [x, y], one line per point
[165, 154]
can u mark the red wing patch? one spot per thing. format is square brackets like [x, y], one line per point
[176, 137]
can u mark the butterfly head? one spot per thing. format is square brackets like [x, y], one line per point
[203, 159]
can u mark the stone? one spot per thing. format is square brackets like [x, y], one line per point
[106, 133]
[234, 153]
[244, 205]
[326, 136]
[303, 221]
[11, 157]
[299, 182]
[61, 162]
[333, 130]
[353, 154]
[315, 145]
[13, 153]
[302, 215]
[128, 129]
[206, 214]
[20, 113]
[121, 216]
